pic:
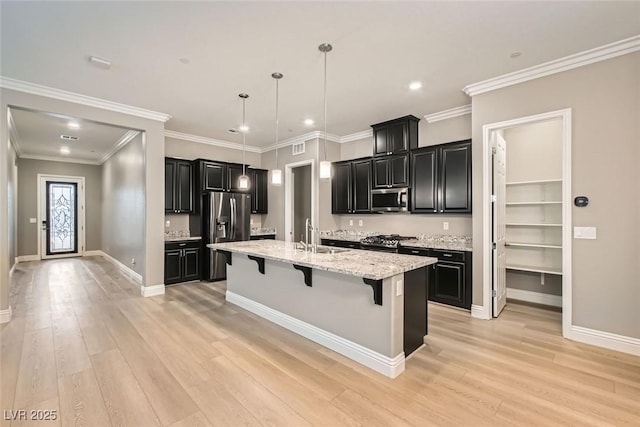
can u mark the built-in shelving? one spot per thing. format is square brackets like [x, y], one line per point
[533, 245]
[532, 203]
[539, 181]
[534, 269]
[531, 224]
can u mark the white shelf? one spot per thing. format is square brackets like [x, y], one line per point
[532, 203]
[513, 224]
[542, 181]
[534, 269]
[533, 245]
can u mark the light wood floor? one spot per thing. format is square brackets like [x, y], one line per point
[85, 344]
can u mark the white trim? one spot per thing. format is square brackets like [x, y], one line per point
[13, 134]
[535, 297]
[479, 312]
[356, 136]
[27, 258]
[288, 195]
[137, 277]
[152, 291]
[448, 114]
[487, 130]
[209, 141]
[60, 159]
[93, 253]
[388, 366]
[602, 53]
[81, 212]
[124, 140]
[63, 95]
[316, 134]
[605, 339]
[5, 315]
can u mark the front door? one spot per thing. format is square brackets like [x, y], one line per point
[62, 216]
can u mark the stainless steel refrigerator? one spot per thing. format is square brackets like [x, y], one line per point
[225, 218]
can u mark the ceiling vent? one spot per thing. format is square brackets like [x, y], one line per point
[233, 131]
[297, 148]
[69, 138]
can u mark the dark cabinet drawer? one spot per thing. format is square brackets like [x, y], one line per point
[445, 255]
[414, 251]
[340, 243]
[182, 244]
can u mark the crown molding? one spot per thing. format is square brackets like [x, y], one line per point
[60, 159]
[128, 136]
[316, 134]
[14, 137]
[602, 53]
[356, 136]
[448, 114]
[209, 141]
[49, 92]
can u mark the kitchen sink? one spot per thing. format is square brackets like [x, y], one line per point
[323, 250]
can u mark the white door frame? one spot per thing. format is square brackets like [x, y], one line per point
[288, 195]
[487, 130]
[42, 215]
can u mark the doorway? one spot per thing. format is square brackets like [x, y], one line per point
[528, 214]
[61, 216]
[300, 198]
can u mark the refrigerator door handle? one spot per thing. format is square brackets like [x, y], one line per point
[232, 231]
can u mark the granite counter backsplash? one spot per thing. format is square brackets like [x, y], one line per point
[347, 235]
[255, 231]
[440, 241]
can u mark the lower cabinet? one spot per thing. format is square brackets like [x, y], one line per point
[263, 237]
[340, 243]
[181, 261]
[450, 278]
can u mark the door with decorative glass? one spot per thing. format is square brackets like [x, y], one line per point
[62, 216]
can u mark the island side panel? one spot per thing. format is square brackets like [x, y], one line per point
[337, 303]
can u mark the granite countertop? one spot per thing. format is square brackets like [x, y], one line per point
[451, 243]
[366, 264]
[347, 235]
[262, 231]
[181, 239]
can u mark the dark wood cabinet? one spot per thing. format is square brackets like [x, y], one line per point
[391, 171]
[441, 178]
[234, 172]
[259, 185]
[340, 243]
[395, 136]
[178, 186]
[351, 187]
[263, 237]
[181, 261]
[213, 176]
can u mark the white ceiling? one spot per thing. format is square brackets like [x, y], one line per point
[233, 47]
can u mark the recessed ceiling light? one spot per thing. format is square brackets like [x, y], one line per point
[73, 125]
[308, 122]
[100, 62]
[69, 138]
[64, 150]
[415, 85]
[244, 128]
[515, 54]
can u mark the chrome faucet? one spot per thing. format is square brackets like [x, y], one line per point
[309, 246]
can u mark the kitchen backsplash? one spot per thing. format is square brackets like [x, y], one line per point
[409, 225]
[180, 222]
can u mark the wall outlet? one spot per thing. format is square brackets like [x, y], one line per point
[584, 232]
[32, 220]
[133, 261]
[167, 224]
[399, 287]
[445, 225]
[360, 223]
[251, 221]
[541, 279]
[350, 223]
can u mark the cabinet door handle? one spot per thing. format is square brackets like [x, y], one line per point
[447, 255]
[182, 244]
[415, 252]
[441, 210]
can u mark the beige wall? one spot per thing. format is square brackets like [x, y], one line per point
[605, 102]
[194, 150]
[123, 205]
[153, 173]
[28, 170]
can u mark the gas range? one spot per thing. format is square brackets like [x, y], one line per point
[383, 242]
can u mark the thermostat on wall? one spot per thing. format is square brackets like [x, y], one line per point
[581, 201]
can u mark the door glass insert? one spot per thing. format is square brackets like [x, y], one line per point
[62, 236]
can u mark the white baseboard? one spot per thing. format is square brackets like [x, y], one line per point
[5, 315]
[535, 297]
[605, 339]
[478, 312]
[389, 366]
[152, 291]
[129, 272]
[27, 258]
[97, 252]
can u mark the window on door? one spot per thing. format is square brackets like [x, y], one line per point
[62, 218]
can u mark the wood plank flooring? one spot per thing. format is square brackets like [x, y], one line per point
[85, 344]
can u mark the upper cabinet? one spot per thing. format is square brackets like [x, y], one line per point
[351, 187]
[178, 186]
[441, 178]
[259, 184]
[395, 136]
[220, 176]
[391, 171]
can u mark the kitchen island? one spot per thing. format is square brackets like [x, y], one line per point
[368, 306]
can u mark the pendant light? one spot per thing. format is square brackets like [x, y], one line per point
[243, 181]
[325, 165]
[276, 173]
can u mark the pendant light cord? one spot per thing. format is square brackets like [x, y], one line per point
[325, 106]
[244, 135]
[277, 82]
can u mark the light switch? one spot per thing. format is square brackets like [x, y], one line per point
[584, 232]
[167, 224]
[360, 222]
[445, 225]
[399, 287]
[32, 220]
[350, 223]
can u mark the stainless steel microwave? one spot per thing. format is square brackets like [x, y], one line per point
[390, 200]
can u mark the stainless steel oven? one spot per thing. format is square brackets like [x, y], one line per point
[390, 200]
